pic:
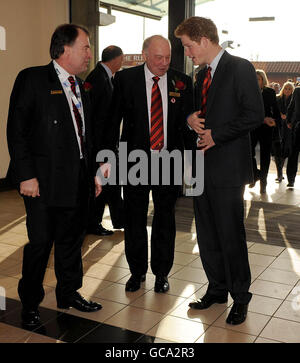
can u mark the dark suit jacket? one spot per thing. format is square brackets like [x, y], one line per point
[41, 137]
[130, 103]
[100, 95]
[293, 112]
[234, 108]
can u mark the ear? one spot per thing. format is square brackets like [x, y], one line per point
[205, 42]
[144, 56]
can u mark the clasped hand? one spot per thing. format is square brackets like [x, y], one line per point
[205, 140]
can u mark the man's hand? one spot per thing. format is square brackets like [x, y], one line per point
[195, 122]
[30, 188]
[98, 186]
[205, 141]
[270, 121]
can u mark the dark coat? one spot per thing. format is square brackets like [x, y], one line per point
[234, 108]
[41, 136]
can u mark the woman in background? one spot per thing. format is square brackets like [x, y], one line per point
[281, 150]
[264, 133]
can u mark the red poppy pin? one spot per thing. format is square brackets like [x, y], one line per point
[179, 85]
[87, 86]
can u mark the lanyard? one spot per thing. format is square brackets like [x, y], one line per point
[69, 91]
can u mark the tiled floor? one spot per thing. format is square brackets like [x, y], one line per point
[145, 316]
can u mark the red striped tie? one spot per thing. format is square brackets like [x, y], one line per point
[157, 127]
[77, 113]
[205, 87]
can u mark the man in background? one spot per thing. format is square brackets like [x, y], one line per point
[100, 81]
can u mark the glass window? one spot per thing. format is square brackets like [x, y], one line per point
[130, 30]
[260, 30]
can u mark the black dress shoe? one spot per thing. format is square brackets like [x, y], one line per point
[290, 185]
[99, 230]
[134, 283]
[238, 314]
[119, 226]
[79, 303]
[207, 300]
[161, 284]
[30, 318]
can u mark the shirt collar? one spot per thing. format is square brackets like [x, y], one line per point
[108, 70]
[62, 73]
[216, 60]
[149, 75]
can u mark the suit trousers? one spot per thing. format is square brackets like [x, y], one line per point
[63, 227]
[219, 215]
[292, 164]
[263, 135]
[136, 203]
[111, 195]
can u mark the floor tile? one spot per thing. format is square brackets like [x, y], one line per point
[161, 303]
[191, 274]
[135, 319]
[105, 272]
[117, 293]
[109, 309]
[183, 288]
[280, 276]
[270, 289]
[178, 330]
[264, 305]
[282, 330]
[289, 310]
[38, 338]
[219, 335]
[207, 316]
[253, 325]
[67, 328]
[181, 258]
[264, 249]
[11, 334]
[287, 264]
[260, 260]
[110, 334]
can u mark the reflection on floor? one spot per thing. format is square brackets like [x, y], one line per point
[145, 316]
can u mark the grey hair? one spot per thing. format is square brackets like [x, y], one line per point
[148, 41]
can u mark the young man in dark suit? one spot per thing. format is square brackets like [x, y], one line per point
[49, 140]
[101, 81]
[229, 105]
[153, 102]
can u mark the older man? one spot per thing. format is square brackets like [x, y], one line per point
[153, 102]
[49, 137]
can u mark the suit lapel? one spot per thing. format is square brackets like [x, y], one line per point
[56, 97]
[140, 85]
[217, 78]
[170, 122]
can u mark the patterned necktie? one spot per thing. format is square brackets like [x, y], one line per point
[157, 127]
[77, 113]
[205, 87]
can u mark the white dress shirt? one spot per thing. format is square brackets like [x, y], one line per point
[63, 76]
